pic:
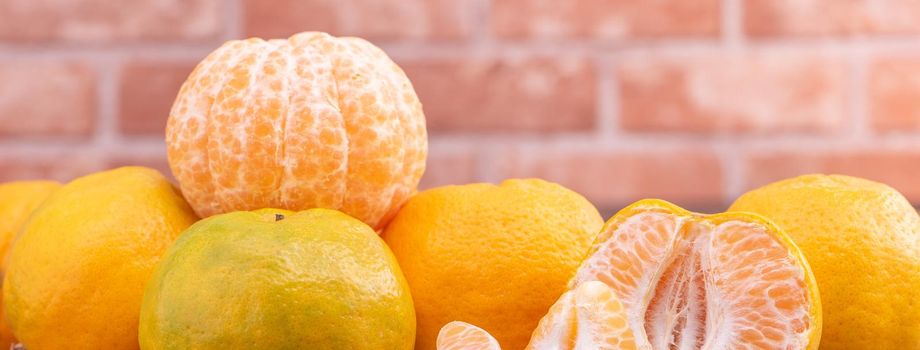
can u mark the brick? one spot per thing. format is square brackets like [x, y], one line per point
[373, 20]
[826, 18]
[448, 167]
[612, 179]
[732, 93]
[894, 90]
[59, 166]
[147, 91]
[605, 19]
[897, 168]
[100, 21]
[505, 95]
[46, 99]
[156, 160]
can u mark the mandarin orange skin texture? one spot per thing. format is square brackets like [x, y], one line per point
[313, 121]
[18, 200]
[495, 256]
[79, 266]
[274, 279]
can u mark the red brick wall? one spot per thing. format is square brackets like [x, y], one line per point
[692, 101]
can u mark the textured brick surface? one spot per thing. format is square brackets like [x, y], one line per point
[894, 94]
[709, 93]
[612, 179]
[380, 20]
[148, 90]
[100, 21]
[897, 168]
[46, 99]
[60, 166]
[447, 166]
[505, 95]
[811, 18]
[605, 19]
[689, 101]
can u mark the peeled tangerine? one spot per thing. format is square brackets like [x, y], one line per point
[686, 281]
[588, 317]
[861, 238]
[312, 121]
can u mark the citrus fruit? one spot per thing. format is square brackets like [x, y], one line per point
[587, 317]
[691, 281]
[590, 317]
[493, 256]
[17, 201]
[459, 335]
[274, 279]
[861, 239]
[78, 268]
[311, 121]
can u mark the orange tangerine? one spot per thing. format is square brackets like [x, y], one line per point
[78, 267]
[313, 121]
[496, 256]
[861, 239]
[18, 199]
[690, 281]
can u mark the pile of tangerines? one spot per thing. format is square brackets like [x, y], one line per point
[297, 224]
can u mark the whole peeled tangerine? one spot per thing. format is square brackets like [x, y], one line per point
[311, 121]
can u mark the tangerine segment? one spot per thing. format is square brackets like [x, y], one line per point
[590, 317]
[187, 132]
[458, 335]
[690, 281]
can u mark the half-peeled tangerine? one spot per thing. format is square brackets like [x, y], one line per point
[660, 277]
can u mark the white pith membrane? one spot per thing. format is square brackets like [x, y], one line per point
[688, 283]
[590, 317]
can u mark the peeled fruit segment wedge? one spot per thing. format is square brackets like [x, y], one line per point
[590, 317]
[464, 336]
[690, 281]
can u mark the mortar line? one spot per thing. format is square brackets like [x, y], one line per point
[484, 157]
[899, 44]
[608, 99]
[734, 170]
[57, 145]
[857, 89]
[481, 23]
[732, 18]
[115, 53]
[233, 20]
[729, 151]
[106, 133]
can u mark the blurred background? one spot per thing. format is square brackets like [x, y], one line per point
[692, 101]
